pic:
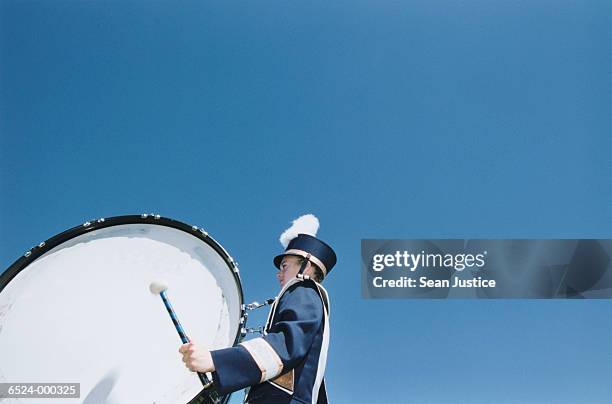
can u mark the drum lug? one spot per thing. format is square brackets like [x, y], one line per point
[234, 264]
[86, 224]
[194, 228]
[101, 220]
[204, 232]
[40, 245]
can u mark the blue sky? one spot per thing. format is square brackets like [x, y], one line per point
[424, 119]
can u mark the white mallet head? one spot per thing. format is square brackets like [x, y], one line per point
[157, 287]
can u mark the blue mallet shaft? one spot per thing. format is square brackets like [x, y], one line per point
[179, 328]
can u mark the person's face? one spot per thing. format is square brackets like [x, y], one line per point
[289, 269]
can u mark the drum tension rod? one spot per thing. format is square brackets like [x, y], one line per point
[254, 330]
[256, 305]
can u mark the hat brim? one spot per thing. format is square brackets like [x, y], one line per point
[279, 258]
[301, 253]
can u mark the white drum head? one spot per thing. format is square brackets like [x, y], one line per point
[82, 312]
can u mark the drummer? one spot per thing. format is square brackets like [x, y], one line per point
[287, 364]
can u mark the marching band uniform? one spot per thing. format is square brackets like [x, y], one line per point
[286, 364]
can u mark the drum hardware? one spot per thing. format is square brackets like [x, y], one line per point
[256, 305]
[153, 215]
[252, 330]
[253, 306]
[29, 252]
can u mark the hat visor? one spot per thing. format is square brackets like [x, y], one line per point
[279, 258]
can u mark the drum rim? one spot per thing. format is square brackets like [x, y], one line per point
[151, 219]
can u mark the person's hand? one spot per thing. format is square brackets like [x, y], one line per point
[197, 358]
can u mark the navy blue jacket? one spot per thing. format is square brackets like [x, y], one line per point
[286, 365]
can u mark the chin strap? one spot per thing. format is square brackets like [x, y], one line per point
[303, 267]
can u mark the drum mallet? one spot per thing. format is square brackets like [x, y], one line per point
[159, 288]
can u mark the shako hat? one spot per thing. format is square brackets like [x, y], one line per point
[300, 240]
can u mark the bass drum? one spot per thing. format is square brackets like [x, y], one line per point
[77, 309]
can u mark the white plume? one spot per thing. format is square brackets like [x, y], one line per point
[306, 224]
